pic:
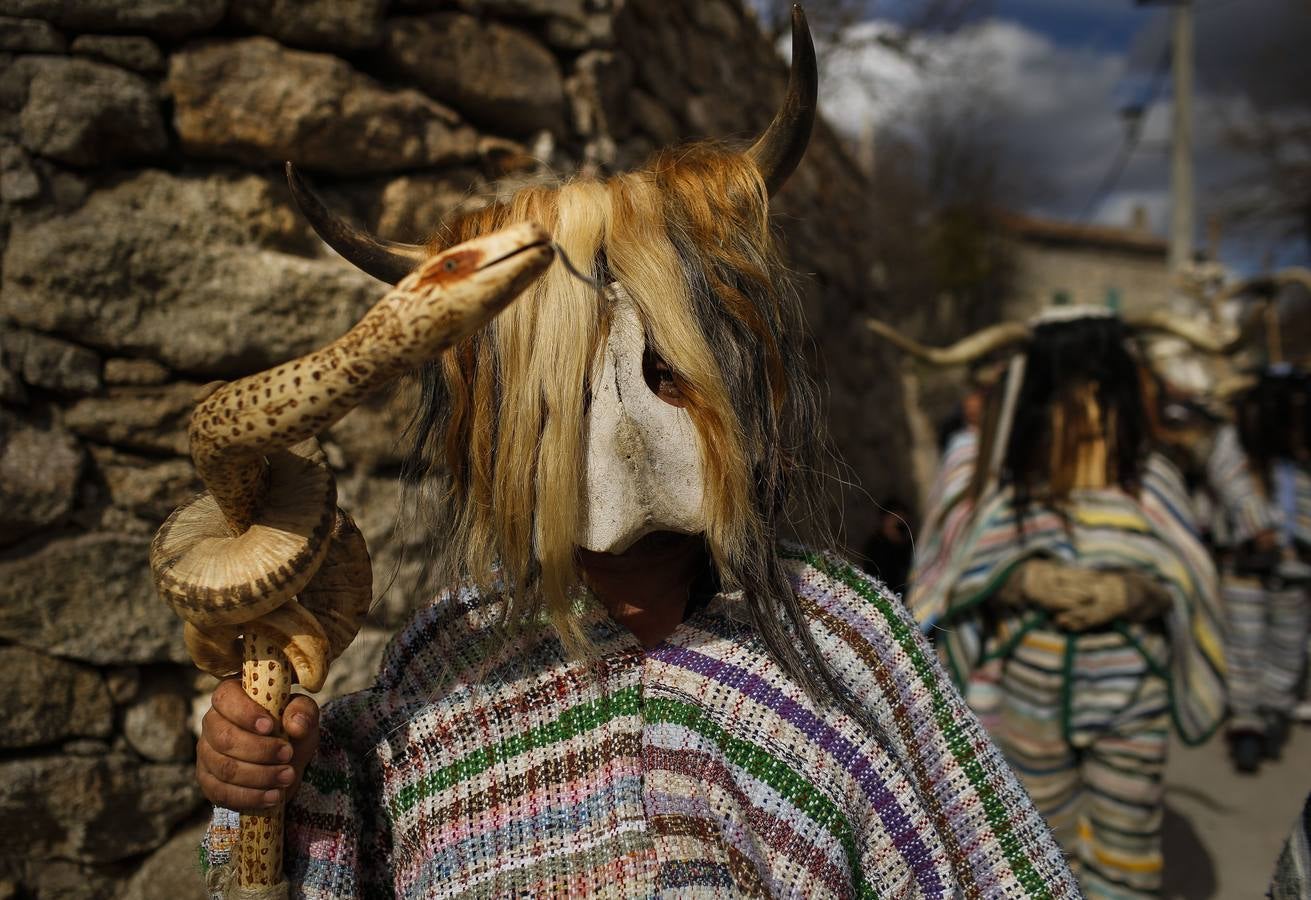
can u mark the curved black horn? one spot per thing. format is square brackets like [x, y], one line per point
[778, 151]
[388, 261]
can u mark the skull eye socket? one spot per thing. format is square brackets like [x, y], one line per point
[660, 378]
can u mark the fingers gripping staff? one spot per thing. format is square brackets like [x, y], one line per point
[271, 578]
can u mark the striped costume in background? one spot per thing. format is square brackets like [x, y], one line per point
[485, 765]
[1266, 641]
[1292, 877]
[1084, 718]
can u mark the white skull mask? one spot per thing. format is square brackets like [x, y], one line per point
[644, 469]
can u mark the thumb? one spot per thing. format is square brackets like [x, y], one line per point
[301, 718]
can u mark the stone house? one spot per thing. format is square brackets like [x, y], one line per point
[1059, 263]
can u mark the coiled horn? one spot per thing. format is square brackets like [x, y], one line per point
[388, 261]
[961, 353]
[779, 149]
[1200, 335]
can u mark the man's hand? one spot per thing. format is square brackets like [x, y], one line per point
[1079, 599]
[1046, 583]
[240, 764]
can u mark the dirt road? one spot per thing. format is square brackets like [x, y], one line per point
[1223, 830]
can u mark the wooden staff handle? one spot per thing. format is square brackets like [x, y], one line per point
[266, 678]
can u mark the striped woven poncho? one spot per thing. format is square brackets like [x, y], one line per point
[971, 549]
[480, 765]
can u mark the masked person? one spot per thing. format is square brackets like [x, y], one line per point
[1066, 557]
[1266, 575]
[634, 689]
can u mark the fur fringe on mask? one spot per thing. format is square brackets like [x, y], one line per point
[499, 441]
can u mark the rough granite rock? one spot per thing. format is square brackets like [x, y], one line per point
[157, 723]
[121, 371]
[493, 74]
[599, 92]
[593, 30]
[398, 545]
[167, 18]
[87, 747]
[331, 24]
[123, 683]
[568, 9]
[84, 113]
[411, 207]
[48, 700]
[255, 101]
[11, 389]
[40, 465]
[172, 871]
[131, 51]
[357, 667]
[91, 809]
[19, 180]
[370, 434]
[153, 419]
[29, 36]
[180, 269]
[652, 117]
[89, 598]
[49, 363]
[58, 879]
[145, 487]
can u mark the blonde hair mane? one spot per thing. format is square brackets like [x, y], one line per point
[503, 413]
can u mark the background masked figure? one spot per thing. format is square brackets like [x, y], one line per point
[636, 691]
[1063, 552]
[1265, 577]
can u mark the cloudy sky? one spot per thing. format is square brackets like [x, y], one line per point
[1046, 79]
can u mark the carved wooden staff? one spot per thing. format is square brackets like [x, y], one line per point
[271, 577]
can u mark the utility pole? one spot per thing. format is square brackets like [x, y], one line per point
[1181, 140]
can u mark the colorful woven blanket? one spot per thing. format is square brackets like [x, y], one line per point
[482, 764]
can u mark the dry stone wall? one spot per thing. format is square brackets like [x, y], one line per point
[150, 247]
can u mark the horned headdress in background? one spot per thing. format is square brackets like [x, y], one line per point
[1078, 408]
[1271, 397]
[673, 398]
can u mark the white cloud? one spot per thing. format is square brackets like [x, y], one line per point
[1053, 110]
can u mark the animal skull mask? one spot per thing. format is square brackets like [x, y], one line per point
[644, 469]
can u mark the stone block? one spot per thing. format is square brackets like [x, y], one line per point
[331, 24]
[29, 36]
[119, 371]
[146, 487]
[92, 809]
[47, 700]
[411, 207]
[19, 181]
[85, 113]
[131, 51]
[50, 363]
[167, 18]
[153, 419]
[184, 270]
[157, 723]
[172, 871]
[495, 75]
[40, 465]
[370, 434]
[255, 101]
[89, 598]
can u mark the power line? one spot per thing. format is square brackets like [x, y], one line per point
[1132, 137]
